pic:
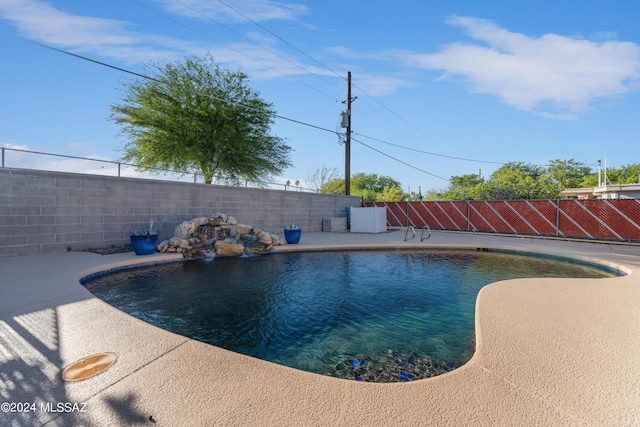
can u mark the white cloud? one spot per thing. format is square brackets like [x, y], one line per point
[552, 75]
[375, 85]
[41, 22]
[232, 10]
[604, 35]
[106, 38]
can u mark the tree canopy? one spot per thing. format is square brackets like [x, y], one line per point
[517, 180]
[371, 187]
[512, 181]
[567, 173]
[625, 174]
[193, 116]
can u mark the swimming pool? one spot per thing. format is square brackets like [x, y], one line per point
[366, 315]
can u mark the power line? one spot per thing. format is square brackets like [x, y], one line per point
[269, 50]
[312, 58]
[233, 49]
[399, 161]
[356, 86]
[428, 152]
[124, 70]
[257, 44]
[334, 72]
[388, 109]
[279, 38]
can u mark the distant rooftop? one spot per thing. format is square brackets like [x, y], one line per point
[618, 191]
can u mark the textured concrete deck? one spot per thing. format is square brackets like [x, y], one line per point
[549, 352]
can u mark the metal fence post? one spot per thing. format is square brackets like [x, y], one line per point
[118, 169]
[2, 156]
[557, 217]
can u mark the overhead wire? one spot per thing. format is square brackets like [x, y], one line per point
[355, 86]
[369, 96]
[313, 59]
[284, 58]
[144, 76]
[388, 109]
[205, 16]
[398, 160]
[428, 152]
[302, 52]
[234, 49]
[279, 38]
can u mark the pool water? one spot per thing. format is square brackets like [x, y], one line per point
[378, 316]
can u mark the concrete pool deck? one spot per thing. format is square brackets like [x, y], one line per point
[549, 352]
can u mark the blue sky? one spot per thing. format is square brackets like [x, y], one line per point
[447, 88]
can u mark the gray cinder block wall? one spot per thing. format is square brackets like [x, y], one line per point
[42, 211]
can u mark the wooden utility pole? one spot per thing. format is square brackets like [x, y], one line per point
[347, 145]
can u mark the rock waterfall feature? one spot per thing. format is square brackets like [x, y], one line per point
[218, 235]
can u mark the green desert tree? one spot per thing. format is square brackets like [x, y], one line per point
[625, 174]
[193, 116]
[567, 173]
[392, 194]
[371, 187]
[463, 187]
[628, 174]
[334, 186]
[517, 180]
[362, 182]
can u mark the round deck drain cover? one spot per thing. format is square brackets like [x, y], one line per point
[88, 367]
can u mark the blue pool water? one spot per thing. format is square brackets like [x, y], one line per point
[365, 315]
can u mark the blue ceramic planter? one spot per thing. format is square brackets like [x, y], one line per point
[292, 236]
[144, 245]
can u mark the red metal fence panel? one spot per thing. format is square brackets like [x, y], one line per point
[624, 217]
[540, 214]
[600, 219]
[588, 219]
[444, 215]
